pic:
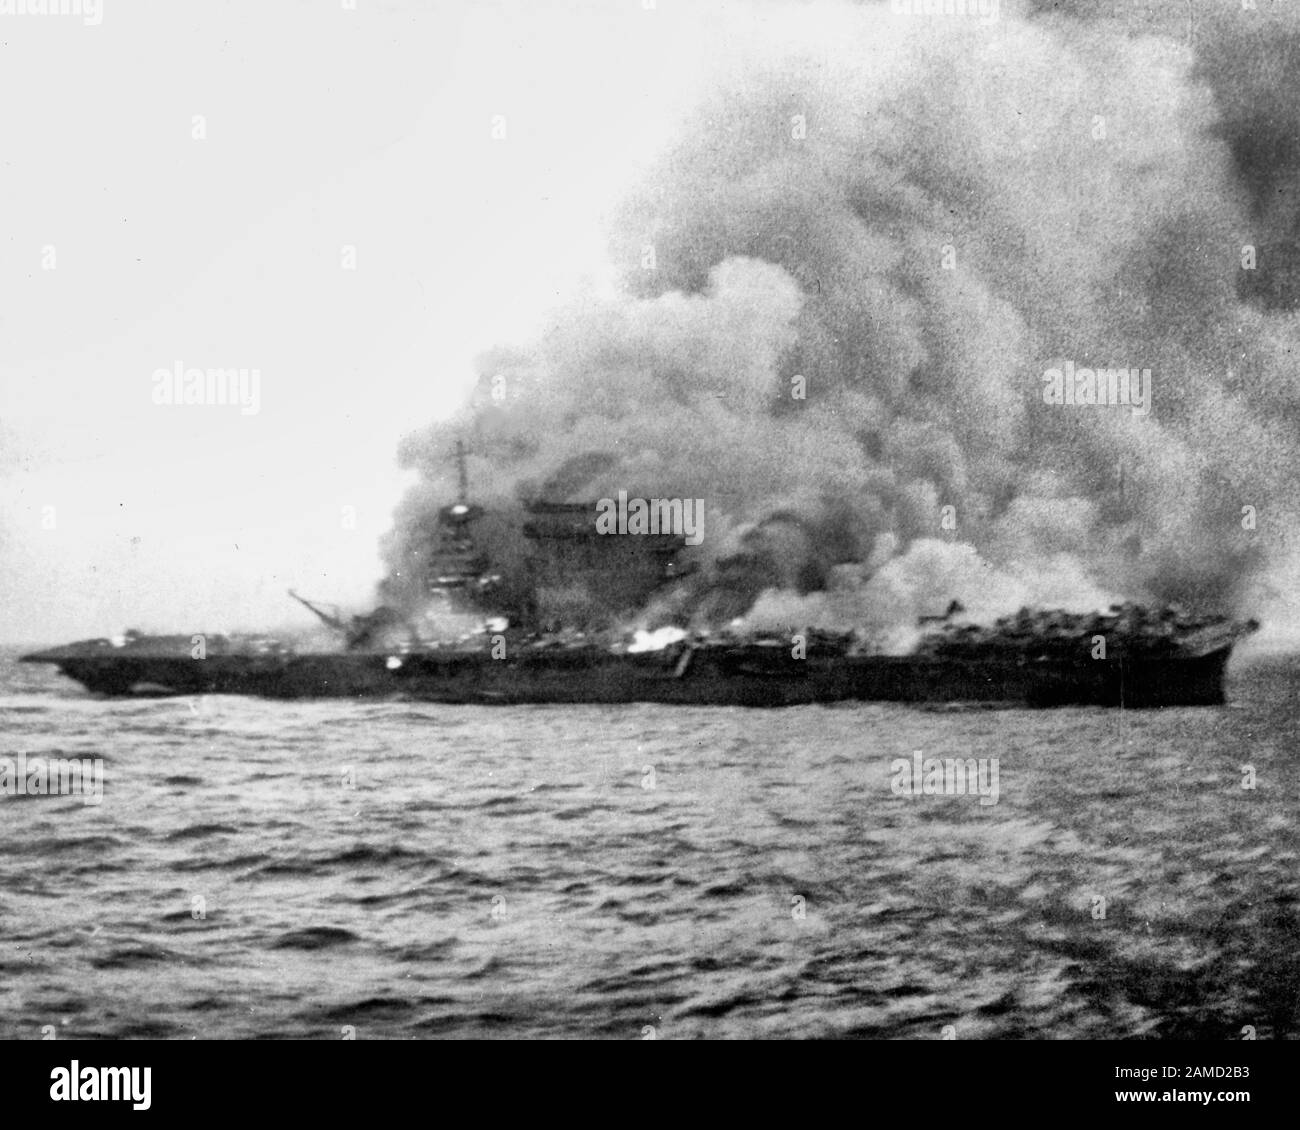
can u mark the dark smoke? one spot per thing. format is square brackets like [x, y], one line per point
[1093, 179]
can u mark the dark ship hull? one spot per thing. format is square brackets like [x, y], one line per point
[710, 676]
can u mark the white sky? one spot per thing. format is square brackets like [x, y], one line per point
[325, 127]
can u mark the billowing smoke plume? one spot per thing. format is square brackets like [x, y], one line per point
[845, 282]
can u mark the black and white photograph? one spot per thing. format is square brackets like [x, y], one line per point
[650, 520]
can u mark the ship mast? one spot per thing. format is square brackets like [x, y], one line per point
[455, 563]
[462, 475]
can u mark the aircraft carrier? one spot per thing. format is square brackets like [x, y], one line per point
[1129, 656]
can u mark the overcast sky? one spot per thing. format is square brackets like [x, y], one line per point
[128, 244]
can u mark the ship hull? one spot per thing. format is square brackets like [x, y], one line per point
[743, 678]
